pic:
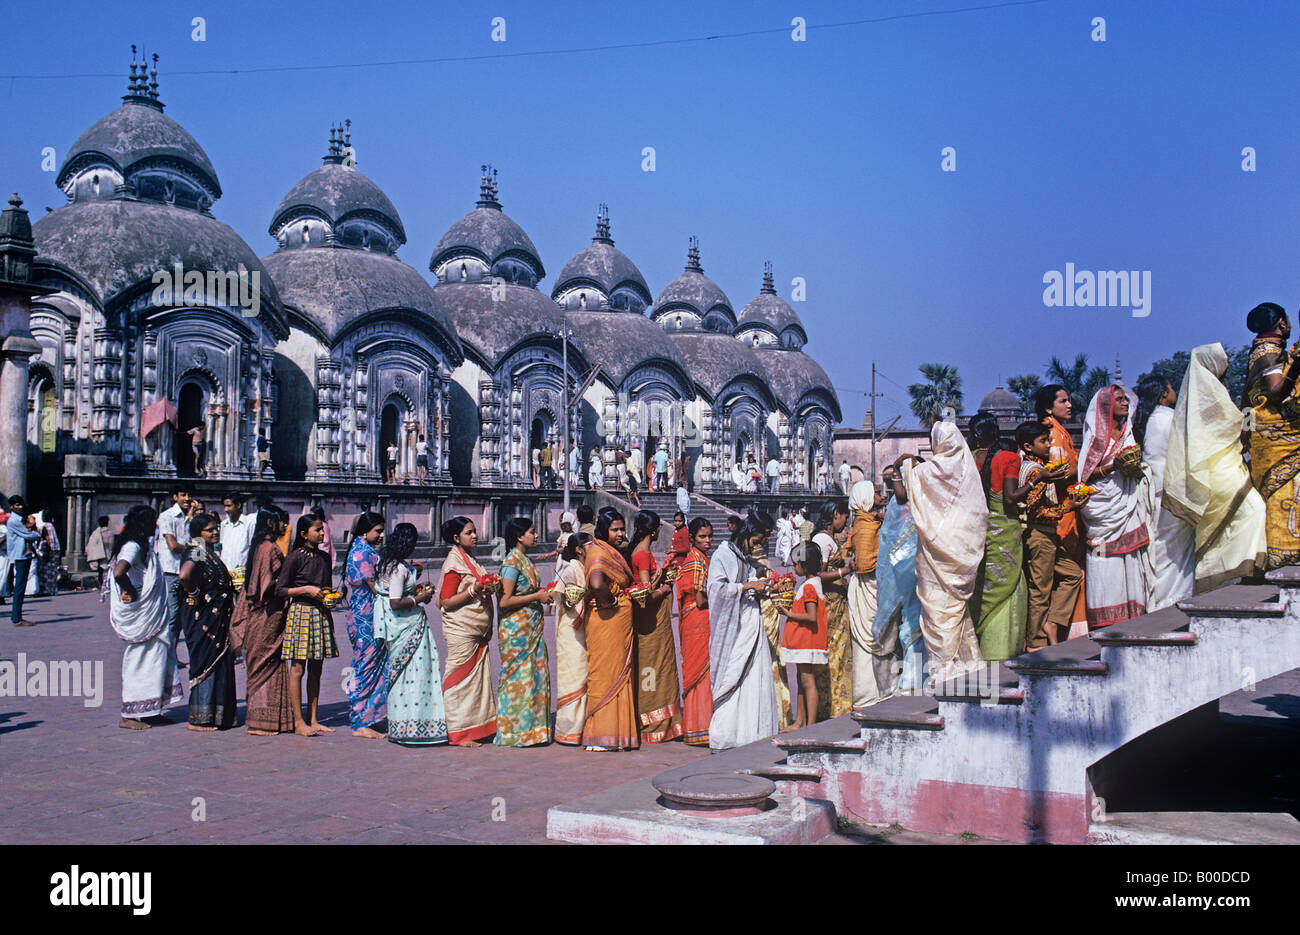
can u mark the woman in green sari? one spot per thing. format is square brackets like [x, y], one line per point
[1000, 604]
[524, 695]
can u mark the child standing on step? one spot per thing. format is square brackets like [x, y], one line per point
[804, 640]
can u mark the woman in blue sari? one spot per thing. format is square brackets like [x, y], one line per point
[366, 688]
[897, 605]
[416, 716]
[524, 695]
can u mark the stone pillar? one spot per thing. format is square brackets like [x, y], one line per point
[610, 442]
[519, 470]
[707, 466]
[786, 483]
[17, 346]
[79, 475]
[489, 417]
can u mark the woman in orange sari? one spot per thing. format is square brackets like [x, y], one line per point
[659, 693]
[1053, 408]
[693, 627]
[611, 696]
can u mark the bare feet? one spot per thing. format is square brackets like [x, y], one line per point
[261, 733]
[317, 726]
[133, 723]
[303, 730]
[198, 728]
[367, 732]
[466, 743]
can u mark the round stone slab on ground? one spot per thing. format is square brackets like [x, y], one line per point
[730, 793]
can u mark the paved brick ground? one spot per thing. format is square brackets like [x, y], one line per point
[69, 774]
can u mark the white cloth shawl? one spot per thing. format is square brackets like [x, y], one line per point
[740, 658]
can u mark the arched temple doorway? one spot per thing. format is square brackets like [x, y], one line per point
[390, 427]
[190, 410]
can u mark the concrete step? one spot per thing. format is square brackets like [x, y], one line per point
[1079, 656]
[1165, 627]
[902, 712]
[1236, 600]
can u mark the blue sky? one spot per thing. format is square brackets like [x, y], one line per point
[823, 156]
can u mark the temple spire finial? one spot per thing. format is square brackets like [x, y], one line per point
[338, 148]
[487, 188]
[1119, 371]
[693, 255]
[142, 85]
[769, 287]
[602, 225]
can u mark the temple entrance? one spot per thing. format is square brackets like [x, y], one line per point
[189, 415]
[539, 435]
[814, 452]
[43, 422]
[744, 448]
[390, 425]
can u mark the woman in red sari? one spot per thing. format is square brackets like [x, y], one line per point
[611, 695]
[659, 693]
[693, 625]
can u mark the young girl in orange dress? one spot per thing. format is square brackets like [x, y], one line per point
[804, 640]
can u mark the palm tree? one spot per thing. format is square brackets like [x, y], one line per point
[1080, 383]
[943, 390]
[1024, 387]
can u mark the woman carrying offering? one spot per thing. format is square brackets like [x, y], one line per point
[367, 690]
[611, 712]
[309, 628]
[467, 616]
[1116, 515]
[415, 712]
[659, 691]
[208, 599]
[835, 682]
[1274, 428]
[1000, 605]
[693, 629]
[524, 695]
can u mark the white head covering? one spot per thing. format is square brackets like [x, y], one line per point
[862, 496]
[949, 508]
[1205, 423]
[1099, 441]
[568, 516]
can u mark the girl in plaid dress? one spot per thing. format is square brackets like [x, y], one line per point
[308, 627]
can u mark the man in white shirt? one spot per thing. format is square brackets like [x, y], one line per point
[392, 463]
[845, 474]
[773, 474]
[236, 533]
[169, 545]
[634, 462]
[821, 475]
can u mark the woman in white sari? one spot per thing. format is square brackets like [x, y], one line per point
[1170, 558]
[951, 516]
[740, 657]
[138, 613]
[1116, 516]
[1207, 485]
[571, 641]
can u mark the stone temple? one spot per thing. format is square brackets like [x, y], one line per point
[160, 319]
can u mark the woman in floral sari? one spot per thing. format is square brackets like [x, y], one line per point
[467, 615]
[209, 598]
[259, 618]
[658, 702]
[611, 641]
[693, 629]
[415, 713]
[367, 691]
[571, 641]
[524, 694]
[1275, 429]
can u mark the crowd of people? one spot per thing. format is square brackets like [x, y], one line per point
[988, 547]
[29, 556]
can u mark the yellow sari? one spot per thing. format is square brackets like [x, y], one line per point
[1275, 451]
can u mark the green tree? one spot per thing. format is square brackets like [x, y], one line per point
[1174, 368]
[1023, 388]
[942, 389]
[1080, 382]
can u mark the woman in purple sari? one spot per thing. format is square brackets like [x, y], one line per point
[366, 686]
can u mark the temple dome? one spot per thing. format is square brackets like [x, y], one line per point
[495, 326]
[489, 237]
[334, 289]
[338, 192]
[771, 317]
[604, 268]
[714, 359]
[695, 296]
[113, 248]
[794, 377]
[620, 343]
[1001, 400]
[138, 134]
